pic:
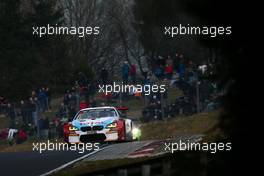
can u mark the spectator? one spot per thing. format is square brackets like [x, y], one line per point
[159, 72]
[191, 76]
[182, 70]
[11, 114]
[133, 72]
[62, 111]
[48, 98]
[11, 134]
[176, 60]
[148, 81]
[21, 136]
[42, 99]
[169, 60]
[92, 91]
[4, 134]
[83, 105]
[72, 101]
[174, 79]
[125, 72]
[82, 79]
[66, 98]
[33, 110]
[83, 91]
[93, 103]
[33, 94]
[58, 127]
[44, 127]
[145, 73]
[32, 130]
[160, 60]
[72, 112]
[169, 71]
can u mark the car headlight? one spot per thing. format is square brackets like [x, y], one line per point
[136, 132]
[73, 128]
[111, 125]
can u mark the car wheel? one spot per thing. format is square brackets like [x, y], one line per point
[129, 136]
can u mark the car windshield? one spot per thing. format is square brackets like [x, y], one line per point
[96, 113]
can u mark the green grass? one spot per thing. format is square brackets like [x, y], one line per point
[203, 123]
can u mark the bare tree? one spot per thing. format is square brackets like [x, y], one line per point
[118, 40]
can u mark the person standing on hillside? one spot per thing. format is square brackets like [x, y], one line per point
[21, 136]
[159, 72]
[11, 114]
[125, 72]
[63, 111]
[44, 127]
[48, 98]
[132, 73]
[82, 81]
[169, 68]
[23, 108]
[182, 70]
[169, 71]
[41, 100]
[33, 110]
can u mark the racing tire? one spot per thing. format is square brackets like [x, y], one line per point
[129, 136]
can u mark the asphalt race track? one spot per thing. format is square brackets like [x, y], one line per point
[34, 163]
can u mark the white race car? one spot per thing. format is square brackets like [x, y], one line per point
[98, 124]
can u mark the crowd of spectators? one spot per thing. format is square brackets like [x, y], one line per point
[28, 109]
[176, 72]
[182, 74]
[26, 116]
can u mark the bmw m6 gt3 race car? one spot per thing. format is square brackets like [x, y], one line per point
[100, 124]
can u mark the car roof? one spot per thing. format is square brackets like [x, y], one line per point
[103, 107]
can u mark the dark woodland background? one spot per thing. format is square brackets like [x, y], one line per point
[27, 61]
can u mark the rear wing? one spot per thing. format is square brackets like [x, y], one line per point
[122, 108]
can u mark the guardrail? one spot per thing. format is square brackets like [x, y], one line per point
[181, 163]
